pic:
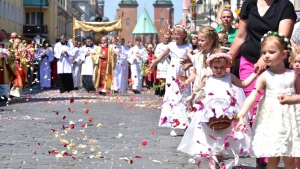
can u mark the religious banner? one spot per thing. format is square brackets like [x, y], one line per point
[97, 26]
[194, 12]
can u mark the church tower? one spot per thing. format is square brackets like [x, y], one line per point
[163, 17]
[128, 11]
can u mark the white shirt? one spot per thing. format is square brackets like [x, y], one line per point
[64, 64]
[87, 65]
[162, 66]
[137, 50]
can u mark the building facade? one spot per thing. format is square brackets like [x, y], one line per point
[163, 17]
[128, 11]
[46, 19]
[11, 16]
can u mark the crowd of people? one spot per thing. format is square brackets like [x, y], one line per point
[104, 68]
[229, 91]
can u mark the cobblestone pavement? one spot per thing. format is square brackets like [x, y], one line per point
[100, 132]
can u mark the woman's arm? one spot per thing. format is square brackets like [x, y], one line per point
[159, 58]
[239, 39]
[286, 27]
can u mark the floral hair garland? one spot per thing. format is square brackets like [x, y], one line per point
[280, 36]
[194, 36]
[218, 55]
[178, 26]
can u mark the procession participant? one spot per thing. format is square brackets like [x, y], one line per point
[87, 64]
[137, 55]
[7, 67]
[45, 57]
[162, 66]
[76, 70]
[63, 52]
[173, 113]
[104, 60]
[120, 72]
[150, 78]
[13, 36]
[22, 65]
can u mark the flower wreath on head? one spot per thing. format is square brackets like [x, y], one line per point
[194, 36]
[217, 55]
[280, 36]
[178, 26]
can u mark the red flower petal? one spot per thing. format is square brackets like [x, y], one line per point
[65, 154]
[168, 84]
[64, 117]
[90, 120]
[144, 143]
[74, 158]
[72, 126]
[34, 151]
[69, 109]
[138, 156]
[87, 111]
[57, 113]
[83, 125]
[213, 137]
[72, 100]
[152, 132]
[86, 102]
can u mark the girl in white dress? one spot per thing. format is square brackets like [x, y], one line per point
[207, 41]
[219, 100]
[173, 113]
[276, 131]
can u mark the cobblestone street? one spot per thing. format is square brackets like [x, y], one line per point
[47, 130]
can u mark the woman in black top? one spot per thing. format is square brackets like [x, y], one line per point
[257, 17]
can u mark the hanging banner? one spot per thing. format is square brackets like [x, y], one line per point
[97, 26]
[194, 12]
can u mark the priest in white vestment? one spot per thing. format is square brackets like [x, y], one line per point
[87, 64]
[76, 66]
[63, 51]
[136, 56]
[120, 72]
[45, 56]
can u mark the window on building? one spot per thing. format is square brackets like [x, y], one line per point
[0, 7]
[8, 11]
[4, 9]
[34, 18]
[127, 21]
[12, 13]
[162, 22]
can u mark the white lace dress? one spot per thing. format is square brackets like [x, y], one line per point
[199, 138]
[276, 130]
[173, 113]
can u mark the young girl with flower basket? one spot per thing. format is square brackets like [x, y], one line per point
[173, 113]
[209, 133]
[276, 128]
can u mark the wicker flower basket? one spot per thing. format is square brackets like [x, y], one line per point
[182, 78]
[220, 123]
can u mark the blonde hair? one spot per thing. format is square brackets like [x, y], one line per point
[211, 34]
[181, 29]
[295, 51]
